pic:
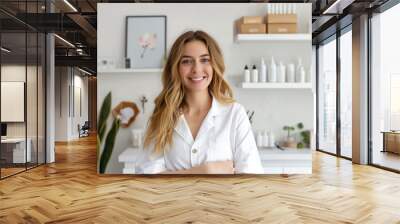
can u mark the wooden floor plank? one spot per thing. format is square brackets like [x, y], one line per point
[70, 191]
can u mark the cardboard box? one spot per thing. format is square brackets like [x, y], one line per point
[282, 23]
[252, 20]
[282, 28]
[252, 28]
[281, 18]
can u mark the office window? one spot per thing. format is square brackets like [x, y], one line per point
[327, 96]
[346, 93]
[385, 89]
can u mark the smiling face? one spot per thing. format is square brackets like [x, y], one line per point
[195, 67]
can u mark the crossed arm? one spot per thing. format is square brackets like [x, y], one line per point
[220, 167]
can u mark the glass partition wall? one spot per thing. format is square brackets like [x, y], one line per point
[22, 77]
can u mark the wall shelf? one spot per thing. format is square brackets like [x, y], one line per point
[273, 37]
[129, 70]
[275, 85]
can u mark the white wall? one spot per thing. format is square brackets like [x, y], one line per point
[273, 108]
[16, 73]
[61, 103]
[33, 126]
[66, 121]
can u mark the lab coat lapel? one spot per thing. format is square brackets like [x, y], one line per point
[183, 130]
[209, 121]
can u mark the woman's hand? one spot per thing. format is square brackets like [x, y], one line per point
[219, 167]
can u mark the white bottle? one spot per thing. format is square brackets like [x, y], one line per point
[271, 139]
[281, 73]
[301, 76]
[289, 8]
[284, 10]
[294, 9]
[263, 72]
[291, 73]
[246, 74]
[272, 71]
[265, 139]
[259, 139]
[269, 11]
[298, 68]
[254, 74]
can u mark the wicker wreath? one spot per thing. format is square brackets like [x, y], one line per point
[127, 112]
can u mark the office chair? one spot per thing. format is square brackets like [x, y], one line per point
[84, 130]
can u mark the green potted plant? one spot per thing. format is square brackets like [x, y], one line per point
[290, 141]
[304, 137]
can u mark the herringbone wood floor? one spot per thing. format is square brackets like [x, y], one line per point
[70, 191]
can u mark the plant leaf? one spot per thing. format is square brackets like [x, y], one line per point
[109, 145]
[98, 151]
[300, 125]
[104, 112]
[102, 131]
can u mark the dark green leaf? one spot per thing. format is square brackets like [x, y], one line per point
[300, 125]
[104, 112]
[109, 145]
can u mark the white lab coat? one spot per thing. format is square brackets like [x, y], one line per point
[225, 134]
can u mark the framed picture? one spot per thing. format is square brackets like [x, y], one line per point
[145, 41]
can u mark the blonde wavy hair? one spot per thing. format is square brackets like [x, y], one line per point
[171, 99]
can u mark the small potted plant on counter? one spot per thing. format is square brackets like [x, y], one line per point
[290, 142]
[304, 137]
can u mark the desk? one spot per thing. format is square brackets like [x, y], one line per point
[287, 161]
[391, 141]
[16, 147]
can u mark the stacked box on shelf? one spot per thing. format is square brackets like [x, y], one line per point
[251, 25]
[281, 23]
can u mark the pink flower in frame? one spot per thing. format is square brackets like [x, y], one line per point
[147, 41]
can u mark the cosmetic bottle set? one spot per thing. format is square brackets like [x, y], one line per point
[281, 8]
[275, 72]
[265, 139]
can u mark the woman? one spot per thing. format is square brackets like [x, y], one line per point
[196, 127]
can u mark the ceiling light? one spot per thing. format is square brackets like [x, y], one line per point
[70, 5]
[84, 71]
[338, 6]
[65, 41]
[5, 50]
